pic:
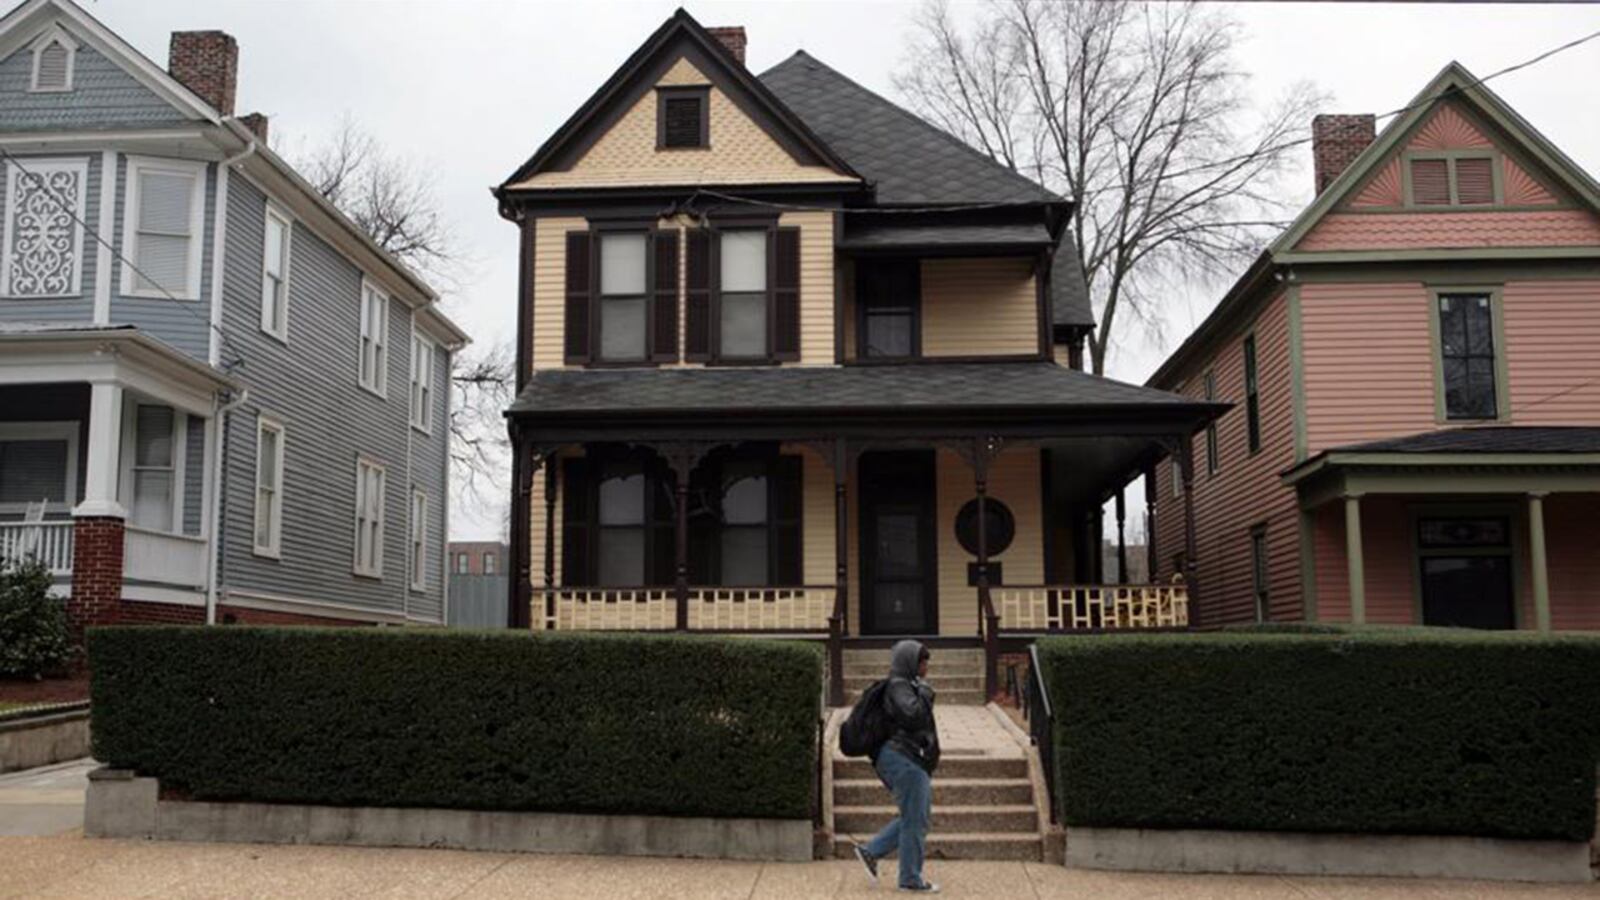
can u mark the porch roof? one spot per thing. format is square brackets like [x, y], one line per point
[966, 237]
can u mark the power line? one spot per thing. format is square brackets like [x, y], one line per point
[67, 207]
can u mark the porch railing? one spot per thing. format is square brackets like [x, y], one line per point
[1110, 607]
[156, 556]
[48, 542]
[784, 610]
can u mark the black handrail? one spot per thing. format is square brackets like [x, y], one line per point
[1041, 726]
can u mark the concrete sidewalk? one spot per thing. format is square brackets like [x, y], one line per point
[72, 866]
[43, 801]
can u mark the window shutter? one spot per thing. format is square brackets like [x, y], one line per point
[1475, 180]
[1430, 182]
[697, 297]
[577, 522]
[682, 125]
[580, 279]
[783, 506]
[786, 294]
[664, 328]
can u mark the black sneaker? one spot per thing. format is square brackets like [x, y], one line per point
[868, 862]
[921, 887]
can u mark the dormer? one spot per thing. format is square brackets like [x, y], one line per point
[54, 56]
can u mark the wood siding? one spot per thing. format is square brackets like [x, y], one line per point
[1013, 480]
[979, 307]
[1553, 351]
[816, 285]
[1245, 491]
[1569, 526]
[1453, 230]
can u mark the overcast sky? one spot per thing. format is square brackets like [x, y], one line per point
[470, 88]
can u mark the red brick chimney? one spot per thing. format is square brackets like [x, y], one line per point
[1335, 143]
[732, 37]
[206, 62]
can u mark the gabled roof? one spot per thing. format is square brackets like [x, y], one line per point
[908, 160]
[633, 79]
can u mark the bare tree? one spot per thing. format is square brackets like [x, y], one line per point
[1133, 111]
[393, 200]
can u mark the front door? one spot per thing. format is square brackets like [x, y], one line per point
[899, 586]
[1466, 572]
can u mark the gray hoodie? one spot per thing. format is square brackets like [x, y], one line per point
[910, 706]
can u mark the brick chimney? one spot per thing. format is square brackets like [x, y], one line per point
[1335, 143]
[257, 123]
[732, 37]
[206, 62]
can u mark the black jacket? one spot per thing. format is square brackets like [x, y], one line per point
[909, 703]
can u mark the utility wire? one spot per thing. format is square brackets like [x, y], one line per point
[186, 305]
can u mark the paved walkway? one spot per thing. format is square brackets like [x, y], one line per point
[43, 801]
[71, 866]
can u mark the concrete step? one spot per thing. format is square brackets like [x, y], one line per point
[944, 698]
[951, 767]
[875, 671]
[1009, 819]
[966, 845]
[946, 791]
[879, 658]
[942, 683]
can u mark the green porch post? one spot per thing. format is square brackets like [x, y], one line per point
[1541, 574]
[1357, 566]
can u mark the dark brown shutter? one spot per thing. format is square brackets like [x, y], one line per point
[1475, 180]
[664, 327]
[580, 278]
[1430, 182]
[784, 490]
[697, 297]
[786, 294]
[577, 522]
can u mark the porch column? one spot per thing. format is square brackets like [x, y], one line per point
[838, 627]
[1152, 557]
[519, 596]
[550, 541]
[681, 457]
[1538, 560]
[1355, 563]
[1191, 547]
[983, 451]
[97, 529]
[1122, 539]
[104, 453]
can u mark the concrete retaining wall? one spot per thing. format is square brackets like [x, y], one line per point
[120, 804]
[1287, 853]
[43, 740]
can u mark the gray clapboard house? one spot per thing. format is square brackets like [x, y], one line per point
[219, 400]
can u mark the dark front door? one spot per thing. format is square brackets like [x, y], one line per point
[1466, 572]
[899, 586]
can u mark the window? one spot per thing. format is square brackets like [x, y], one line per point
[422, 383]
[162, 228]
[1258, 572]
[1453, 180]
[682, 122]
[1464, 566]
[369, 518]
[888, 294]
[624, 304]
[374, 339]
[743, 294]
[43, 235]
[38, 461]
[54, 55]
[269, 487]
[491, 563]
[153, 469]
[1213, 463]
[419, 540]
[744, 535]
[620, 548]
[463, 564]
[1467, 356]
[1252, 398]
[275, 276]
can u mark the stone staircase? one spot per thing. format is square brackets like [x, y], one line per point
[983, 798]
[957, 674]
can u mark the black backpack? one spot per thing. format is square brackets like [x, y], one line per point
[869, 725]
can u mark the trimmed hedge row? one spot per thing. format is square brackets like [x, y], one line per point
[673, 725]
[1368, 730]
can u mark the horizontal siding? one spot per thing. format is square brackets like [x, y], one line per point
[79, 307]
[102, 96]
[1013, 480]
[1368, 368]
[1574, 565]
[1452, 230]
[194, 474]
[1553, 351]
[550, 288]
[816, 285]
[976, 307]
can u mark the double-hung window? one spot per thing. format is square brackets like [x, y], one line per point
[153, 470]
[374, 361]
[887, 293]
[1258, 572]
[275, 276]
[742, 327]
[419, 540]
[463, 564]
[620, 550]
[370, 486]
[1252, 396]
[38, 461]
[1467, 373]
[422, 383]
[43, 253]
[162, 228]
[624, 303]
[269, 487]
[745, 534]
[491, 563]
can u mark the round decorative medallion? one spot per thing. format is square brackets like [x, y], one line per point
[999, 530]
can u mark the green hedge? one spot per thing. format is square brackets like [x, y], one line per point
[674, 725]
[1415, 731]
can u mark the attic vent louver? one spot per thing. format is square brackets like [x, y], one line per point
[53, 56]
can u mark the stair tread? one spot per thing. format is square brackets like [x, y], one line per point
[950, 782]
[955, 837]
[938, 808]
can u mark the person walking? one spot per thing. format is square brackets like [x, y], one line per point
[905, 765]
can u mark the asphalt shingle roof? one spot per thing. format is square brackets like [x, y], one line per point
[1069, 292]
[1506, 439]
[927, 386]
[907, 158]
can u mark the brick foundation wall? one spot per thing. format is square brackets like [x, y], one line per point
[138, 612]
[96, 573]
[239, 615]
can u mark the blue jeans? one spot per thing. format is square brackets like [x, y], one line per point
[913, 794]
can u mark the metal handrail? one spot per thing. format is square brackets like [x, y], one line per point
[1041, 726]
